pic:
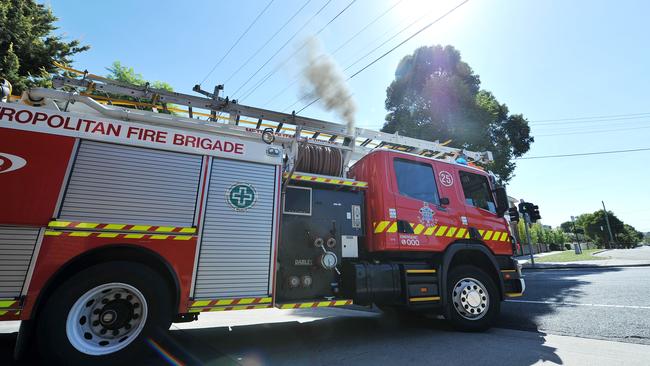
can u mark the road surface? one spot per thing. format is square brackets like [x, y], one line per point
[567, 317]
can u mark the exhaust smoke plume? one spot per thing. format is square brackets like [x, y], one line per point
[326, 81]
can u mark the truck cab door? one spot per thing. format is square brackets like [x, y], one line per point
[481, 211]
[423, 223]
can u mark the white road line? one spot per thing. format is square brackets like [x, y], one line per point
[579, 304]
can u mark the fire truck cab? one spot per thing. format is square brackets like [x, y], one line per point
[116, 221]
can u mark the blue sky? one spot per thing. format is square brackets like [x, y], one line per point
[548, 60]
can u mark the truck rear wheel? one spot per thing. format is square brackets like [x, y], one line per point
[472, 299]
[103, 314]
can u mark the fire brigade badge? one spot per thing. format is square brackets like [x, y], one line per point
[426, 215]
[241, 196]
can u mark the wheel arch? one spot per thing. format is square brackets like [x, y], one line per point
[110, 253]
[472, 253]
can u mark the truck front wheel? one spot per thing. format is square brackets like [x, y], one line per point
[472, 299]
[102, 314]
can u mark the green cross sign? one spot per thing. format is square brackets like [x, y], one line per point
[241, 196]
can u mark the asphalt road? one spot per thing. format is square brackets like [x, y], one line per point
[567, 317]
[603, 303]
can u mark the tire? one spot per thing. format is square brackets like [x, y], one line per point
[103, 314]
[473, 301]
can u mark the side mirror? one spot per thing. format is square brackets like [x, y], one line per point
[444, 201]
[502, 201]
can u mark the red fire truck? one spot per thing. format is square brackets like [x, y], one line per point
[120, 217]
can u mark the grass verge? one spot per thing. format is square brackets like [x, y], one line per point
[571, 256]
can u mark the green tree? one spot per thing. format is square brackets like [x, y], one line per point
[437, 96]
[126, 74]
[28, 46]
[595, 226]
[629, 237]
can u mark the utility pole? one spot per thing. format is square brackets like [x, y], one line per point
[609, 228]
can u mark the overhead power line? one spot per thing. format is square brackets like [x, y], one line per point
[583, 154]
[296, 77]
[396, 47]
[283, 46]
[591, 117]
[279, 66]
[584, 132]
[254, 54]
[236, 42]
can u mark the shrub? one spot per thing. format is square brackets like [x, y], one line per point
[567, 246]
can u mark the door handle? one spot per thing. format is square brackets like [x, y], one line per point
[404, 227]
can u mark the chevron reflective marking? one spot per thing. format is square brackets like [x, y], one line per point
[230, 302]
[418, 229]
[461, 232]
[9, 304]
[314, 304]
[504, 237]
[327, 180]
[488, 235]
[392, 228]
[88, 234]
[451, 232]
[430, 230]
[120, 227]
[441, 230]
[381, 226]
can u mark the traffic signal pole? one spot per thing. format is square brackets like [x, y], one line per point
[530, 242]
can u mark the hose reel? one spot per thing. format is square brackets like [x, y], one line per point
[319, 159]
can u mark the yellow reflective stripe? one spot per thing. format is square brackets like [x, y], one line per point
[114, 227]
[3, 312]
[306, 305]
[431, 298]
[224, 302]
[461, 232]
[481, 232]
[381, 226]
[58, 223]
[340, 302]
[467, 235]
[80, 233]
[183, 237]
[418, 229]
[52, 233]
[199, 303]
[246, 301]
[488, 235]
[451, 232]
[420, 271]
[7, 303]
[504, 237]
[441, 230]
[265, 300]
[108, 235]
[164, 228]
[392, 228]
[286, 306]
[159, 237]
[86, 225]
[140, 228]
[134, 236]
[430, 230]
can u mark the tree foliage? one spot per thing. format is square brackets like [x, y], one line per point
[28, 46]
[126, 74]
[437, 96]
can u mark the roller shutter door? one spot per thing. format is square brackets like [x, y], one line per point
[131, 185]
[236, 243]
[16, 248]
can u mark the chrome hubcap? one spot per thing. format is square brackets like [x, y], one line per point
[471, 299]
[106, 319]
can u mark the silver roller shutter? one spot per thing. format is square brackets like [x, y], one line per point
[16, 248]
[235, 250]
[131, 185]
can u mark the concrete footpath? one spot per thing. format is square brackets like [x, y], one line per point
[349, 337]
[637, 257]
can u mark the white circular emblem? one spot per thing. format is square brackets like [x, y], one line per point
[446, 179]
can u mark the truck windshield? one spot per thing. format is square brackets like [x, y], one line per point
[416, 180]
[477, 191]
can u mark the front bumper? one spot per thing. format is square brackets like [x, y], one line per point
[514, 284]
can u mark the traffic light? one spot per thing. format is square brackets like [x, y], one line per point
[534, 213]
[531, 209]
[514, 214]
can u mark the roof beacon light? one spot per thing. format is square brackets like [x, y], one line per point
[461, 160]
